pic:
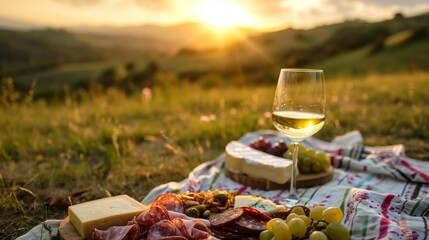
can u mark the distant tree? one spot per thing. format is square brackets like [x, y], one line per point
[420, 33]
[187, 51]
[108, 77]
[128, 84]
[152, 69]
[145, 77]
[130, 67]
[378, 45]
[398, 16]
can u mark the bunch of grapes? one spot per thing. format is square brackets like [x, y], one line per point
[309, 160]
[321, 223]
[278, 149]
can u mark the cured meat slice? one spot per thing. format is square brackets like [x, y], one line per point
[243, 222]
[128, 232]
[170, 201]
[200, 231]
[201, 225]
[172, 238]
[226, 217]
[149, 217]
[256, 212]
[164, 229]
[252, 220]
[223, 233]
[173, 215]
[180, 225]
[192, 230]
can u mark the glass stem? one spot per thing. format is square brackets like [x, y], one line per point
[292, 190]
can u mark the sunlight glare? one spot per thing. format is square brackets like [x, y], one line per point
[222, 14]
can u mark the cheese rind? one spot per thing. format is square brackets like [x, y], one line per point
[244, 159]
[262, 204]
[103, 213]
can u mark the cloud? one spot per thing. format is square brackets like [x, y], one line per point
[267, 14]
[374, 10]
[81, 2]
[307, 13]
[396, 2]
[157, 4]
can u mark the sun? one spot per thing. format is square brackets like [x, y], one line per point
[223, 14]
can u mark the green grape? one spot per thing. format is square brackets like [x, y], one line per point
[299, 163]
[271, 222]
[317, 235]
[337, 231]
[291, 216]
[310, 152]
[324, 160]
[315, 166]
[306, 219]
[302, 151]
[298, 210]
[281, 231]
[266, 235]
[305, 165]
[332, 215]
[309, 160]
[288, 154]
[297, 227]
[316, 212]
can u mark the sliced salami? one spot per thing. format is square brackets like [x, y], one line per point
[225, 234]
[128, 232]
[170, 201]
[180, 225]
[149, 217]
[192, 230]
[226, 217]
[162, 229]
[172, 238]
[233, 228]
[252, 220]
[256, 212]
[251, 224]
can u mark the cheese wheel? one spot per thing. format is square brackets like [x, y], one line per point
[241, 158]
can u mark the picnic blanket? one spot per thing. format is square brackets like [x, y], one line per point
[382, 192]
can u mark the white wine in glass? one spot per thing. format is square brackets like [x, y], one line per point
[299, 110]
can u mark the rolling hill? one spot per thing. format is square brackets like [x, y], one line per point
[192, 51]
[41, 49]
[369, 47]
[29, 50]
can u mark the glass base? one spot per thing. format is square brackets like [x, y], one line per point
[291, 201]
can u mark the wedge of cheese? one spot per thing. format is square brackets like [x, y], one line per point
[244, 159]
[103, 213]
[262, 204]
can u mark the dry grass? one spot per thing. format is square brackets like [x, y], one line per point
[53, 154]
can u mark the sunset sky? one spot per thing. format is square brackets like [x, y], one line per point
[261, 14]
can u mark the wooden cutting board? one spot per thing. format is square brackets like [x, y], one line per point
[67, 231]
[303, 180]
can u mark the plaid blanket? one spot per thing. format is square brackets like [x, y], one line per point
[382, 192]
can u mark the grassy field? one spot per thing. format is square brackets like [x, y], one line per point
[53, 154]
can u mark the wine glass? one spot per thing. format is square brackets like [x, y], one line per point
[299, 111]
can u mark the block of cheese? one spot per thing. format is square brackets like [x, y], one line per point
[103, 213]
[262, 204]
[241, 158]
